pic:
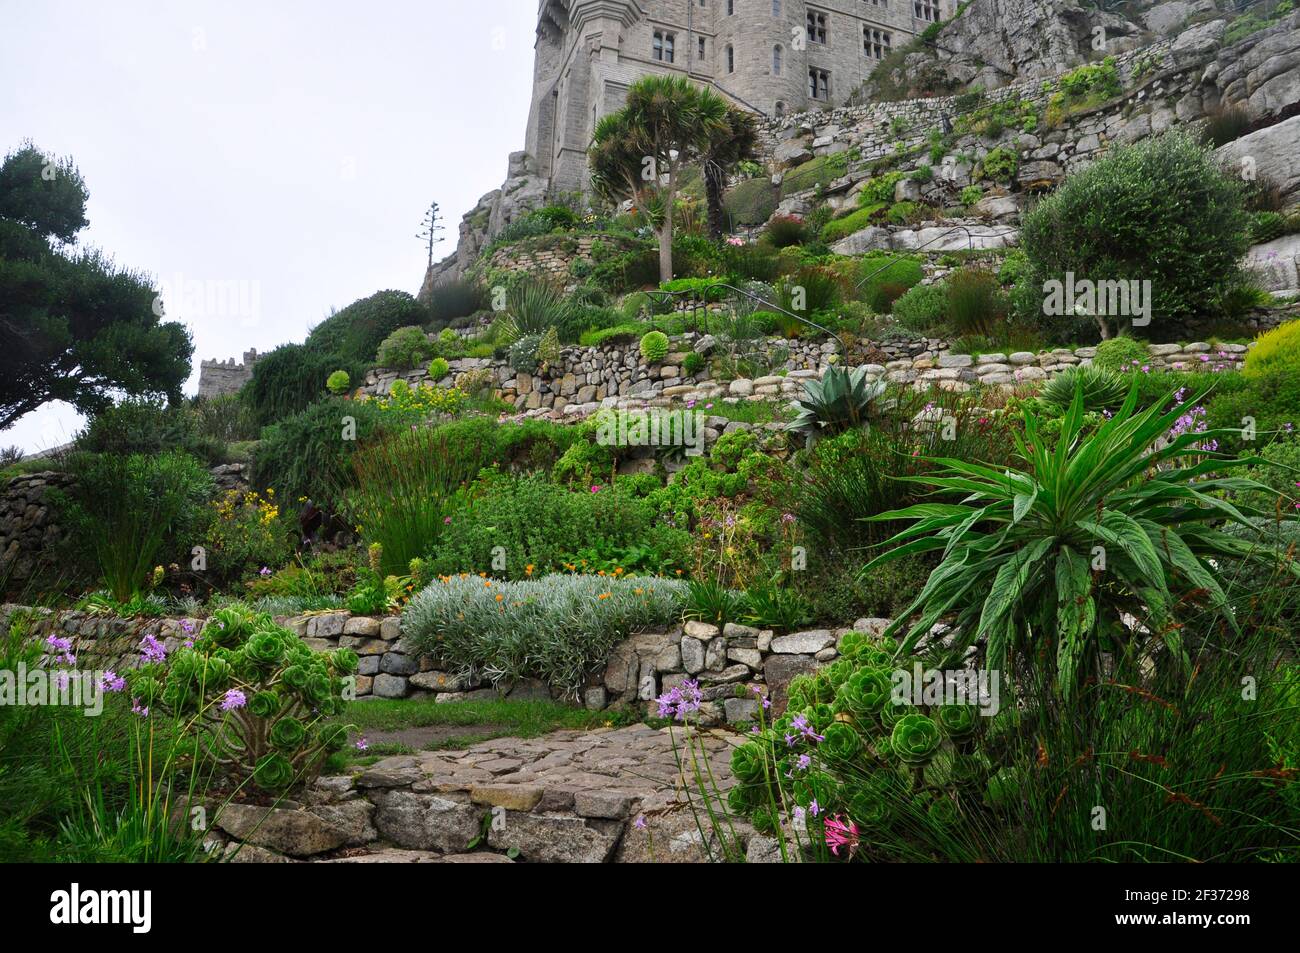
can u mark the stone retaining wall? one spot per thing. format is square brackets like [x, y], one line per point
[29, 531]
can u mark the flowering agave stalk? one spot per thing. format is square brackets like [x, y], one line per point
[1108, 522]
[840, 401]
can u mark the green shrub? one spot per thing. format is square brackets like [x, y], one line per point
[1159, 211]
[769, 606]
[922, 307]
[438, 369]
[1121, 354]
[1001, 164]
[255, 697]
[707, 600]
[533, 306]
[354, 333]
[523, 354]
[856, 221]
[143, 425]
[693, 363]
[404, 349]
[879, 190]
[618, 333]
[785, 231]
[971, 195]
[225, 419]
[654, 347]
[292, 377]
[538, 524]
[129, 513]
[555, 628]
[455, 298]
[883, 279]
[338, 382]
[307, 454]
[976, 304]
[1275, 351]
[750, 262]
[750, 203]
[819, 171]
[1266, 226]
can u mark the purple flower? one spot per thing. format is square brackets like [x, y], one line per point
[141, 710]
[61, 649]
[112, 682]
[680, 701]
[800, 724]
[61, 680]
[151, 650]
[639, 823]
[362, 744]
[264, 572]
[234, 699]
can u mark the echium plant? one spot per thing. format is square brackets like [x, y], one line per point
[254, 698]
[1103, 543]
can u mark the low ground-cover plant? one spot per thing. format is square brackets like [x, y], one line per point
[555, 628]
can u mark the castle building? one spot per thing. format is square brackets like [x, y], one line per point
[773, 57]
[217, 378]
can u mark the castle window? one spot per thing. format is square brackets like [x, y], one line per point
[880, 3]
[875, 43]
[731, 59]
[780, 109]
[701, 48]
[778, 53]
[776, 8]
[663, 46]
[927, 10]
[816, 27]
[819, 84]
[731, 7]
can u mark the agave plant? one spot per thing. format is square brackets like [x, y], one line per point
[532, 307]
[1102, 390]
[839, 402]
[1112, 525]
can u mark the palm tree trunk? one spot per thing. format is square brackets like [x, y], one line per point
[714, 184]
[666, 242]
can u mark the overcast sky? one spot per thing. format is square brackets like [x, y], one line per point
[282, 150]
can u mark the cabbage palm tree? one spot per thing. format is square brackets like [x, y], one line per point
[639, 151]
[735, 142]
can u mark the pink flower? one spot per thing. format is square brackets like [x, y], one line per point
[595, 489]
[841, 833]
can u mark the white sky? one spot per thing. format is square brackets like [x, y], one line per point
[290, 146]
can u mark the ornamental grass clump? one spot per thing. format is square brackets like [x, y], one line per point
[255, 700]
[555, 628]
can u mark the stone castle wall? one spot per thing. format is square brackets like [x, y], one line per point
[217, 378]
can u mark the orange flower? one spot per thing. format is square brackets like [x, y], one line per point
[528, 570]
[603, 595]
[499, 597]
[487, 583]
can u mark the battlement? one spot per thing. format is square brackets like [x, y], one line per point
[217, 378]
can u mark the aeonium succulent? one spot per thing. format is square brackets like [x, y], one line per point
[915, 738]
[253, 698]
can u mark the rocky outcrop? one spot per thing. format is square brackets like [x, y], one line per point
[1261, 73]
[1272, 153]
[523, 191]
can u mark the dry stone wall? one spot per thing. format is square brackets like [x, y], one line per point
[29, 528]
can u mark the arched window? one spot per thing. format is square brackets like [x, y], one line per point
[731, 59]
[778, 53]
[780, 109]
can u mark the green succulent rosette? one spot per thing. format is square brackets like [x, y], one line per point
[868, 691]
[892, 714]
[747, 762]
[871, 806]
[317, 689]
[959, 722]
[331, 737]
[842, 741]
[265, 704]
[942, 812]
[915, 738]
[288, 734]
[345, 661]
[227, 627]
[295, 677]
[264, 649]
[273, 772]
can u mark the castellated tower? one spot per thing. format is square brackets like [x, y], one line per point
[773, 57]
